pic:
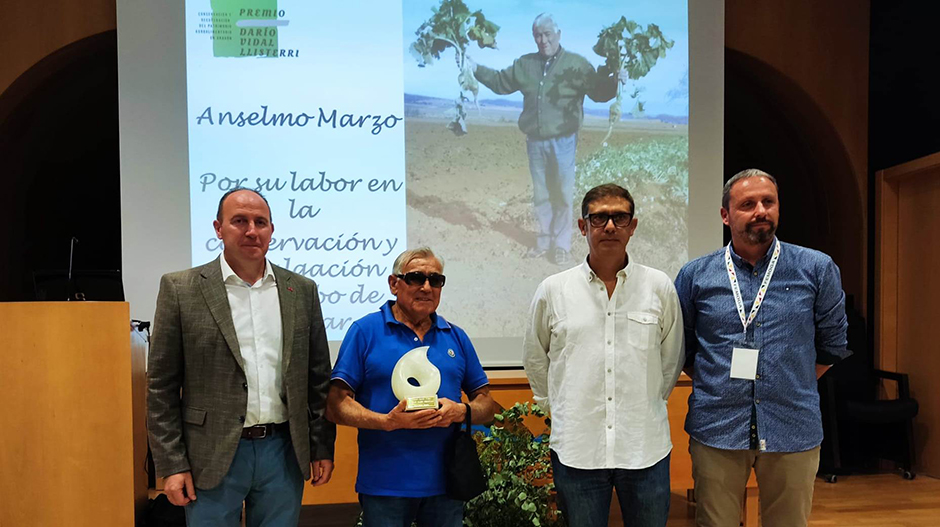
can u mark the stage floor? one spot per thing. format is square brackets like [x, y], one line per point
[882, 500]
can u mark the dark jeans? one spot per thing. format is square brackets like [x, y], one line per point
[584, 495]
[393, 511]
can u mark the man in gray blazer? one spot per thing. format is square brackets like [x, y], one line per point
[238, 375]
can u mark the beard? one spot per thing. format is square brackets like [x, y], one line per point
[760, 236]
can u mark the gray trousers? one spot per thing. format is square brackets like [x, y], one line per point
[551, 163]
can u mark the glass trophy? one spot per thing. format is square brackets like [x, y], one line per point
[416, 381]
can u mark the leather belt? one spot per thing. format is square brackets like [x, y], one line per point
[265, 430]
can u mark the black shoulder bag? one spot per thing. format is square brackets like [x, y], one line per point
[464, 475]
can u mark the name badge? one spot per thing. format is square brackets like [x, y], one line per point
[744, 363]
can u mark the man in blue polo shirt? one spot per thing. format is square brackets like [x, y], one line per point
[401, 454]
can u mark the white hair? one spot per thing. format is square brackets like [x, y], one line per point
[406, 257]
[545, 20]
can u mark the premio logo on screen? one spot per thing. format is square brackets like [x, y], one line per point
[245, 28]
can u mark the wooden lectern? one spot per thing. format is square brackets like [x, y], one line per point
[73, 440]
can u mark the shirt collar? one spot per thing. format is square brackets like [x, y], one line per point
[557, 54]
[741, 262]
[229, 276]
[389, 318]
[590, 275]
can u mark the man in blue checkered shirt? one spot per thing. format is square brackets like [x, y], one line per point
[763, 320]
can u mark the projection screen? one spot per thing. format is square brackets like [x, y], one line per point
[363, 125]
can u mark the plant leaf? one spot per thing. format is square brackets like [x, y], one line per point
[453, 25]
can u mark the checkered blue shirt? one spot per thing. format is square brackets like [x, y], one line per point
[801, 323]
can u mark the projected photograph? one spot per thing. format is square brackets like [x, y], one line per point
[513, 110]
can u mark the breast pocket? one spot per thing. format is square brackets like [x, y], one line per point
[642, 330]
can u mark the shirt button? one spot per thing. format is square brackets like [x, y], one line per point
[609, 370]
[755, 273]
[245, 385]
[541, 83]
[753, 427]
[610, 398]
[608, 342]
[757, 401]
[758, 324]
[757, 376]
[241, 419]
[608, 313]
[416, 339]
[610, 426]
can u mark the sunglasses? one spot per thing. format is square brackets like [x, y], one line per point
[600, 219]
[415, 278]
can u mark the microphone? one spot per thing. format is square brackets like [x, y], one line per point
[71, 284]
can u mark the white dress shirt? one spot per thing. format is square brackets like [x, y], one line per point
[605, 367]
[256, 313]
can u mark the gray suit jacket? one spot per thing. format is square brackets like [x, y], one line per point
[194, 349]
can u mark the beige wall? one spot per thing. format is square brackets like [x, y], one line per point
[30, 30]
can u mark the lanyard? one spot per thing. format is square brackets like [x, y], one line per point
[736, 289]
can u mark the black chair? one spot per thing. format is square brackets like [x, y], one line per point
[859, 427]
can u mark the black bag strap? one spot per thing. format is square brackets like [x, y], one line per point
[467, 419]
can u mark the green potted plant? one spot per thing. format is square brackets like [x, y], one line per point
[519, 472]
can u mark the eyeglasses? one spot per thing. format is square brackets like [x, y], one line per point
[415, 278]
[600, 219]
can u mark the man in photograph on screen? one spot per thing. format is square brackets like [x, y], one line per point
[238, 376]
[763, 321]
[401, 453]
[603, 351]
[554, 82]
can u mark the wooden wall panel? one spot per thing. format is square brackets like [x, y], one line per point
[907, 286]
[508, 388]
[31, 30]
[918, 280]
[67, 447]
[886, 273]
[823, 48]
[342, 486]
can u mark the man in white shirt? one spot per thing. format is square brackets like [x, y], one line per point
[238, 375]
[602, 352]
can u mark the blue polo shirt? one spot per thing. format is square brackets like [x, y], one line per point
[405, 463]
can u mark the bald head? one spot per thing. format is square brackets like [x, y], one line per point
[218, 214]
